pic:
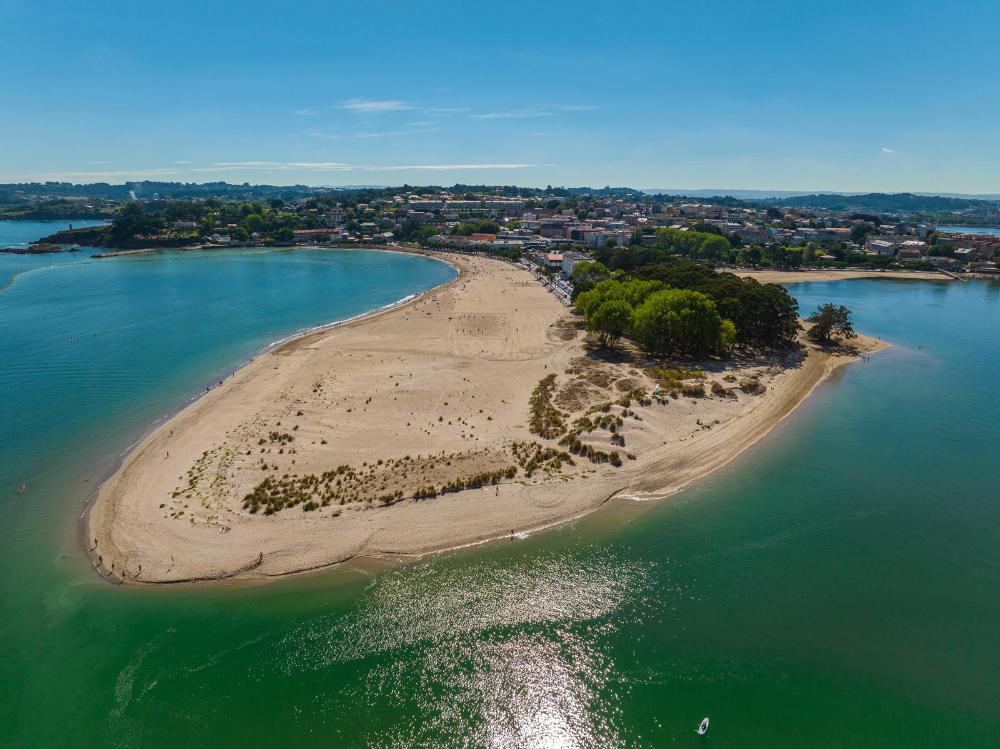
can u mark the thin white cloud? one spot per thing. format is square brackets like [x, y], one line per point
[421, 123]
[99, 163]
[396, 133]
[319, 135]
[580, 108]
[306, 112]
[274, 166]
[888, 151]
[367, 106]
[443, 167]
[111, 174]
[518, 114]
[182, 162]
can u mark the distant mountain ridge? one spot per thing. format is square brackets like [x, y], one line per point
[783, 194]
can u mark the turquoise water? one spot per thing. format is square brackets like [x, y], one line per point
[838, 585]
[21, 233]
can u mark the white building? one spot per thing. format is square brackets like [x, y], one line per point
[880, 247]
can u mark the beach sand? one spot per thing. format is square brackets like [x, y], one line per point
[800, 276]
[430, 392]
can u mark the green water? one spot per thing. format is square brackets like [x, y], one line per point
[838, 585]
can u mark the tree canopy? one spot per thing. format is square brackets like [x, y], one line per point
[830, 321]
[678, 321]
[765, 315]
[662, 320]
[586, 275]
[611, 319]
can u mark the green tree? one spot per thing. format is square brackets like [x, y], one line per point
[610, 320]
[679, 321]
[423, 234]
[765, 314]
[727, 335]
[636, 292]
[478, 226]
[694, 244]
[253, 223]
[860, 231]
[586, 275]
[133, 219]
[828, 321]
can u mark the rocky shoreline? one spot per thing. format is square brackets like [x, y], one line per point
[40, 248]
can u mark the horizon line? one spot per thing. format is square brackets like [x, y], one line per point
[692, 191]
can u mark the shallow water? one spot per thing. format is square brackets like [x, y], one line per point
[953, 229]
[838, 585]
[22, 233]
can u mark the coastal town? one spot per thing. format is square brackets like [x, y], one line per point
[588, 347]
[594, 344]
[556, 228]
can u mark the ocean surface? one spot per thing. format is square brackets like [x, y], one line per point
[838, 585]
[22, 233]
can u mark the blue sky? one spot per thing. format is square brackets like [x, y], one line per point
[885, 95]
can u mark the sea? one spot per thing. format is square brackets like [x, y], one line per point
[837, 585]
[990, 230]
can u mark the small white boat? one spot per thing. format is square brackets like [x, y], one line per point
[703, 727]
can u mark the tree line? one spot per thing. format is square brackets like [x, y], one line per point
[667, 243]
[661, 319]
[683, 307]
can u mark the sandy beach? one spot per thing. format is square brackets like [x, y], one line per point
[800, 276]
[482, 383]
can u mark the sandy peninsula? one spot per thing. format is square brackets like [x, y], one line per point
[477, 410]
[801, 276]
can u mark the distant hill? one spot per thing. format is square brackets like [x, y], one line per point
[27, 192]
[53, 199]
[877, 202]
[19, 193]
[804, 198]
[721, 193]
